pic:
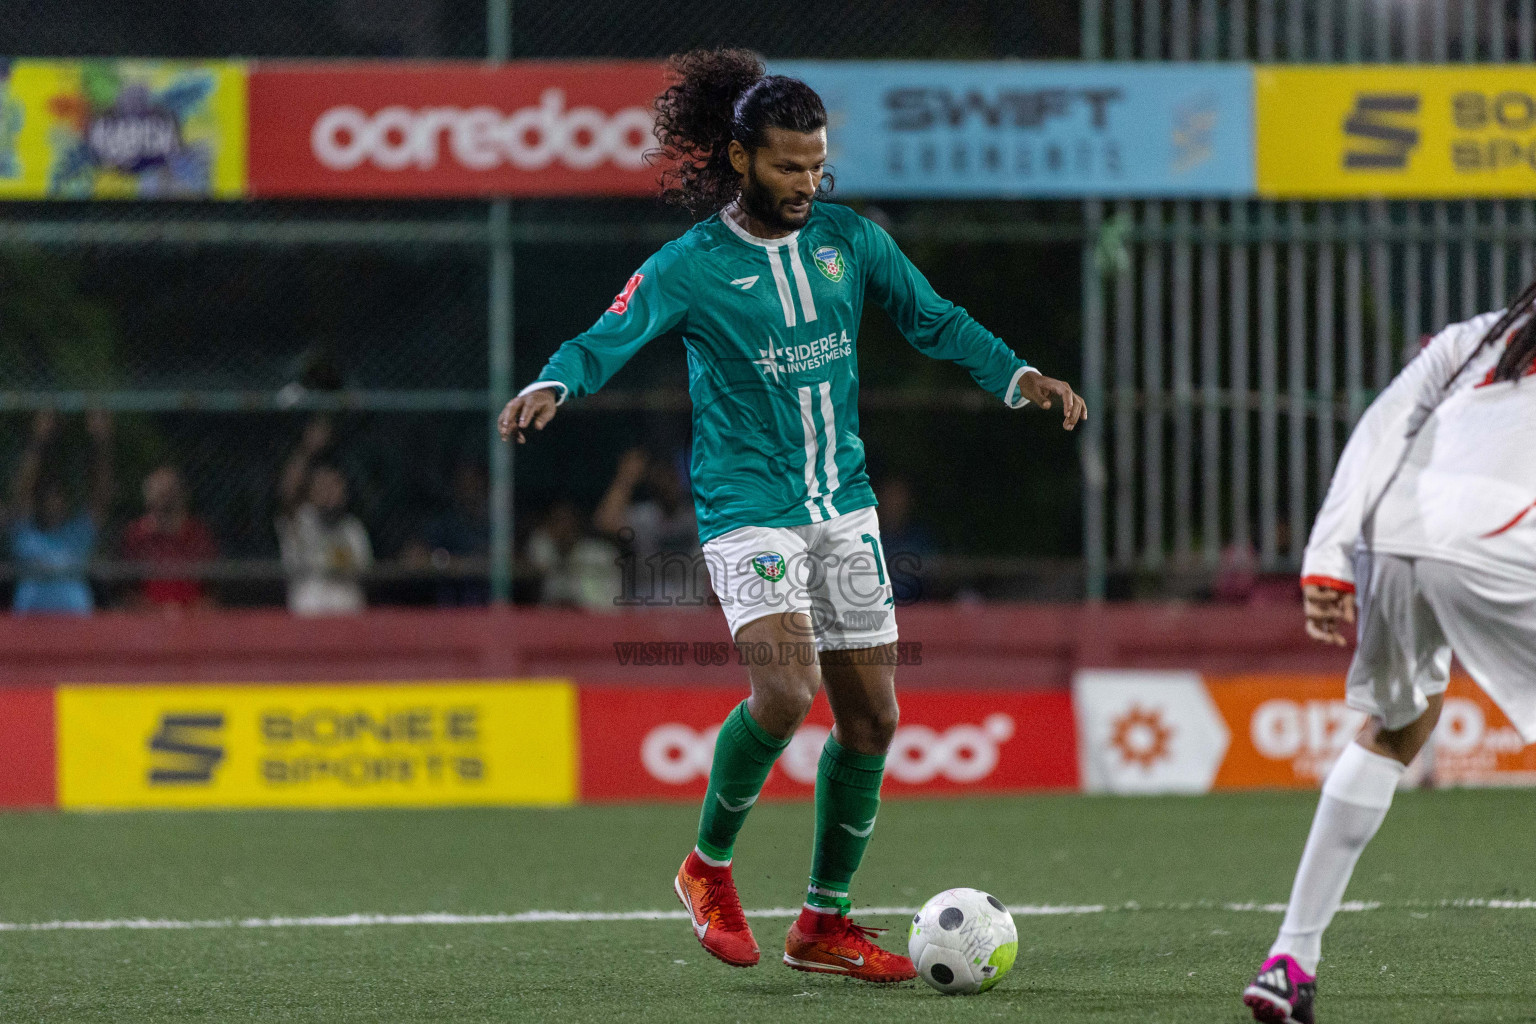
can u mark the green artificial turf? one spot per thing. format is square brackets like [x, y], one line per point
[1166, 949]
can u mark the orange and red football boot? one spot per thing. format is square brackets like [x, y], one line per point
[832, 944]
[715, 912]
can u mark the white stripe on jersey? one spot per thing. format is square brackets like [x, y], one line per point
[783, 285]
[829, 460]
[811, 490]
[802, 283]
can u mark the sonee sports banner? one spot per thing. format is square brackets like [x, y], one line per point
[316, 746]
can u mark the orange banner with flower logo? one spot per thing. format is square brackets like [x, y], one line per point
[1164, 731]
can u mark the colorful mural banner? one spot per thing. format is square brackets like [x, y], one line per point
[1402, 131]
[951, 129]
[317, 745]
[122, 129]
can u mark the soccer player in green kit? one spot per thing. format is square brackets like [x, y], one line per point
[768, 292]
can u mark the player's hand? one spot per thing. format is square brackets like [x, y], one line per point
[1327, 609]
[1047, 391]
[534, 409]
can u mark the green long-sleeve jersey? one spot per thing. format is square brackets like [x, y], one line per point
[771, 331]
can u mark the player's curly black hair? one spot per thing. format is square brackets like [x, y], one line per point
[1520, 354]
[717, 96]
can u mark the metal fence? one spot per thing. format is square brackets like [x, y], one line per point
[1234, 343]
[1225, 346]
[215, 331]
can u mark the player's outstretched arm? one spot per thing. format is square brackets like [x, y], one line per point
[1046, 391]
[534, 409]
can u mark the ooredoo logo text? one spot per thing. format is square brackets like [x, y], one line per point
[678, 754]
[483, 138]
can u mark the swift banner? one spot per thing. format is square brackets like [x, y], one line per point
[533, 128]
[121, 129]
[316, 746]
[647, 743]
[1175, 732]
[1408, 131]
[932, 129]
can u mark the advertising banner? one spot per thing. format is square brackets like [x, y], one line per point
[121, 129]
[651, 743]
[1403, 131]
[387, 745]
[949, 129]
[1168, 732]
[26, 746]
[445, 129]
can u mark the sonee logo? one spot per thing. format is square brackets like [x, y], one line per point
[189, 747]
[1383, 124]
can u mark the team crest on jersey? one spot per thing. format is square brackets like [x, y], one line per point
[769, 565]
[830, 262]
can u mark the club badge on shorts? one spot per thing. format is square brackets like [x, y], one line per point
[769, 565]
[830, 262]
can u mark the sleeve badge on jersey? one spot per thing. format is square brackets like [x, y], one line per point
[621, 300]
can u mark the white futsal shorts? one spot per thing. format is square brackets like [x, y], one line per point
[833, 571]
[1415, 611]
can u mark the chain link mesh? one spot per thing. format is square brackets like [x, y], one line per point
[216, 331]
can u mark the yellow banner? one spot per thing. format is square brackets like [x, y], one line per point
[384, 745]
[1403, 131]
[122, 129]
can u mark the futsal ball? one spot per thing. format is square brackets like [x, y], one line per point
[963, 941]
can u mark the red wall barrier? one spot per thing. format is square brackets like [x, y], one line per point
[26, 747]
[1006, 646]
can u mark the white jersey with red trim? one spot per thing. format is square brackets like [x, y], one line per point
[1436, 471]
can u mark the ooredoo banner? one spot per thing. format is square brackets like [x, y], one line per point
[1156, 731]
[533, 128]
[649, 743]
[26, 746]
[403, 745]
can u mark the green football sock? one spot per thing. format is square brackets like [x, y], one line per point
[847, 801]
[744, 754]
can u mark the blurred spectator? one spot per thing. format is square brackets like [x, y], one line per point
[166, 540]
[573, 568]
[648, 508]
[1240, 581]
[325, 548]
[51, 541]
[662, 520]
[464, 531]
[908, 543]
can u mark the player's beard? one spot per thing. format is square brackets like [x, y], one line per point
[762, 205]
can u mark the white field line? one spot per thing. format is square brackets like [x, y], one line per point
[581, 917]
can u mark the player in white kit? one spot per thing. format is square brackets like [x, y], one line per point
[1430, 524]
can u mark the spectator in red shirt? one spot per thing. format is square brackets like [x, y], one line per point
[166, 539]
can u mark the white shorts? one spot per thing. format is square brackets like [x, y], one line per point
[1414, 611]
[833, 571]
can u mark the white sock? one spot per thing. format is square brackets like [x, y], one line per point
[1355, 799]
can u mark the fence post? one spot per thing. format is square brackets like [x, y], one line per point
[498, 32]
[1095, 566]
